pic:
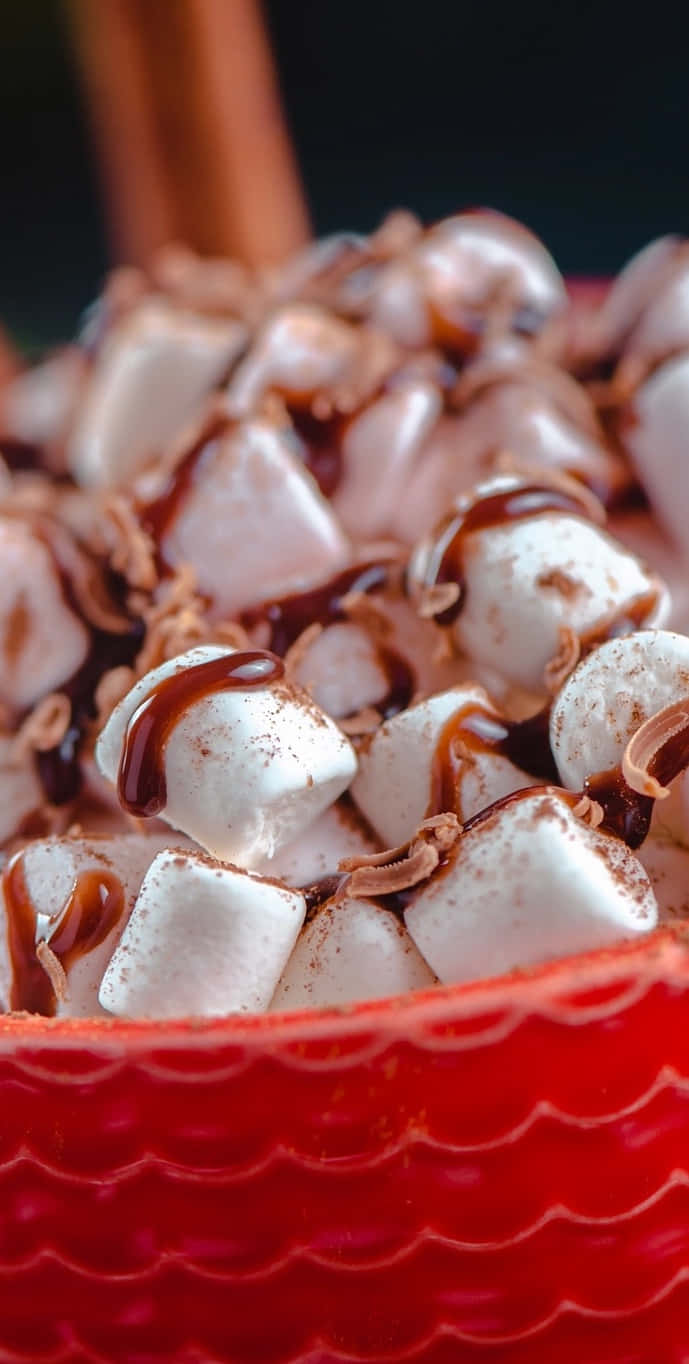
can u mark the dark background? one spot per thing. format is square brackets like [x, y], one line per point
[574, 120]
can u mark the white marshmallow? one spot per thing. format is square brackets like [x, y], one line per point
[460, 261]
[302, 350]
[667, 866]
[203, 939]
[317, 852]
[20, 789]
[635, 287]
[393, 785]
[44, 642]
[51, 869]
[39, 404]
[152, 375]
[342, 670]
[656, 439]
[608, 697]
[254, 525]
[350, 950]
[528, 882]
[664, 326]
[511, 418]
[529, 578]
[380, 447]
[245, 769]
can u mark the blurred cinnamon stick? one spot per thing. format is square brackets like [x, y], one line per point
[189, 128]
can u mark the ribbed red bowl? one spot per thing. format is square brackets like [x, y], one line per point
[497, 1172]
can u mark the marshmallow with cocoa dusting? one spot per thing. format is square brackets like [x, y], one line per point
[524, 578]
[527, 881]
[350, 949]
[202, 939]
[223, 747]
[152, 374]
[65, 903]
[605, 701]
[242, 509]
[443, 754]
[313, 855]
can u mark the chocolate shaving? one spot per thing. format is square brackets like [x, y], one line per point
[132, 551]
[44, 728]
[362, 610]
[590, 811]
[401, 868]
[54, 970]
[436, 598]
[651, 751]
[568, 653]
[365, 721]
[113, 685]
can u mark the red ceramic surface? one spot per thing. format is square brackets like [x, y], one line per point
[489, 1173]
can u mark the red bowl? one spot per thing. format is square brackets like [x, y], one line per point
[496, 1172]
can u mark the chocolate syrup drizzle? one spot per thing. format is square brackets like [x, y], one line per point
[474, 729]
[497, 509]
[92, 910]
[141, 782]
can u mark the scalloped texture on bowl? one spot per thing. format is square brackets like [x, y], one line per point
[497, 1172]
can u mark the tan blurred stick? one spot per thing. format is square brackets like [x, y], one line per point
[189, 127]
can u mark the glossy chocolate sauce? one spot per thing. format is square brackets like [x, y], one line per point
[474, 729]
[318, 892]
[497, 509]
[141, 782]
[627, 813]
[288, 617]
[158, 516]
[93, 909]
[320, 447]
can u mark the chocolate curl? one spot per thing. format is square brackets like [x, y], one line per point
[658, 751]
[189, 128]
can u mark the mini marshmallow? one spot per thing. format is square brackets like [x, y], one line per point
[39, 404]
[529, 578]
[253, 522]
[642, 280]
[528, 882]
[463, 261]
[512, 419]
[154, 371]
[20, 789]
[351, 949]
[380, 448]
[202, 940]
[52, 868]
[43, 641]
[337, 834]
[609, 695]
[303, 350]
[667, 867]
[393, 784]
[342, 670]
[655, 438]
[245, 769]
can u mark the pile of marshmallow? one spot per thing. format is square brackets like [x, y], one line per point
[307, 462]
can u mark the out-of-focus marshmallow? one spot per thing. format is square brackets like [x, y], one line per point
[39, 404]
[523, 579]
[527, 882]
[643, 279]
[609, 695]
[303, 350]
[43, 641]
[152, 375]
[245, 769]
[667, 866]
[655, 436]
[20, 790]
[351, 949]
[75, 895]
[380, 447]
[462, 264]
[337, 834]
[250, 519]
[202, 939]
[394, 784]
